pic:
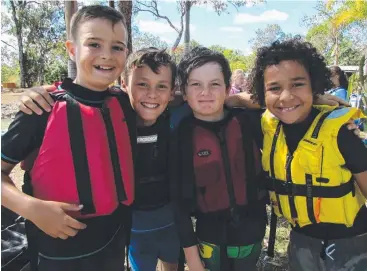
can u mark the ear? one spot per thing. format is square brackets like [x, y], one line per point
[123, 85]
[228, 90]
[71, 48]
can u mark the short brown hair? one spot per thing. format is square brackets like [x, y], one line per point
[152, 57]
[87, 13]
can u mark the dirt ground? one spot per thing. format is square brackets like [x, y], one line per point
[9, 97]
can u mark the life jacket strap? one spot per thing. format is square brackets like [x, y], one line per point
[272, 153]
[272, 233]
[282, 188]
[117, 174]
[79, 154]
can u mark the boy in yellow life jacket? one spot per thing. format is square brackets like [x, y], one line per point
[316, 167]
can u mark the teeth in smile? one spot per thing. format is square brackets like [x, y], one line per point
[104, 68]
[149, 105]
[288, 108]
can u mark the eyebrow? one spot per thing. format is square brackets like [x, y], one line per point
[193, 79]
[160, 81]
[298, 78]
[99, 39]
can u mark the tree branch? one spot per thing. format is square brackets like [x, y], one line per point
[154, 10]
[9, 45]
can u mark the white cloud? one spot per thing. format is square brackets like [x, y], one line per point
[266, 16]
[231, 29]
[157, 27]
[154, 27]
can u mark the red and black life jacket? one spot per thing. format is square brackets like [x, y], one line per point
[85, 156]
[225, 165]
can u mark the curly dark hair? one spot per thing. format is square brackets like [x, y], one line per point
[343, 80]
[152, 57]
[292, 49]
[198, 57]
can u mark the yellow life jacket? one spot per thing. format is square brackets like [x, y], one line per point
[312, 185]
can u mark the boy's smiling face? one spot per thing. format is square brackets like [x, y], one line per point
[99, 52]
[206, 92]
[149, 92]
[288, 92]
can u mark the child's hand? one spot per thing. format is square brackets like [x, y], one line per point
[328, 99]
[352, 126]
[39, 95]
[51, 217]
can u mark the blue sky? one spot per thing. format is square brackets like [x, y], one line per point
[233, 30]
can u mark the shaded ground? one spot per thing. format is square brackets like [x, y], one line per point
[9, 107]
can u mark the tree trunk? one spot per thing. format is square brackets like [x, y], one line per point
[18, 29]
[177, 41]
[361, 71]
[111, 4]
[126, 8]
[187, 27]
[336, 60]
[70, 8]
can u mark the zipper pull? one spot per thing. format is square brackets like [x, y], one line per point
[221, 136]
[104, 109]
[289, 160]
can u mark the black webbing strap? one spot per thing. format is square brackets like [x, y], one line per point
[79, 153]
[316, 131]
[272, 152]
[250, 167]
[272, 233]
[120, 190]
[280, 187]
[224, 261]
[130, 119]
[292, 205]
[309, 198]
[187, 182]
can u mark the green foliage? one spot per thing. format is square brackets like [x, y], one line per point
[10, 74]
[338, 30]
[38, 27]
[57, 64]
[179, 51]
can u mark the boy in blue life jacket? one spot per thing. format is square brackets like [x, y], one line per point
[316, 168]
[76, 202]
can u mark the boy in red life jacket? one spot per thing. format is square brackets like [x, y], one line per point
[78, 157]
[219, 171]
[316, 169]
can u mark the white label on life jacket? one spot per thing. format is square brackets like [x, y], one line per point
[147, 139]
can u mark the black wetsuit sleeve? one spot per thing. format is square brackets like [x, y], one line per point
[185, 227]
[353, 151]
[255, 120]
[181, 209]
[24, 135]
